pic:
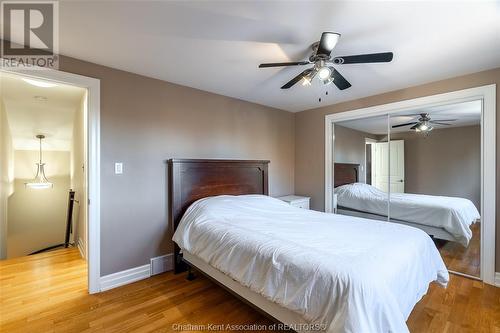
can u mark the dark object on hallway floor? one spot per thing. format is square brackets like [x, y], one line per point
[69, 226]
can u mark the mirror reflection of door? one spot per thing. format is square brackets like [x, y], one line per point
[383, 176]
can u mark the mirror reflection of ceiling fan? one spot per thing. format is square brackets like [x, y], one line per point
[322, 61]
[424, 123]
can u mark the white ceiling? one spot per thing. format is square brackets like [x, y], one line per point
[51, 114]
[467, 113]
[217, 46]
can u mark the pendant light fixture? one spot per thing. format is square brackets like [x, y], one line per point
[40, 181]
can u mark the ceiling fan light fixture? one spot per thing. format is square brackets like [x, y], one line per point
[322, 57]
[424, 127]
[324, 73]
[307, 78]
[328, 81]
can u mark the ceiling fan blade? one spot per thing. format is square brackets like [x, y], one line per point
[327, 43]
[444, 119]
[339, 80]
[439, 123]
[296, 79]
[281, 64]
[364, 58]
[405, 124]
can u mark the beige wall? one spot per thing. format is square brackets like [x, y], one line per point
[350, 147]
[146, 121]
[447, 162]
[78, 167]
[310, 124]
[6, 176]
[37, 218]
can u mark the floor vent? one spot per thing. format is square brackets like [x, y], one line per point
[162, 264]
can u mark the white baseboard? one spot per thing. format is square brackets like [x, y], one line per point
[157, 265]
[497, 279]
[81, 248]
[162, 264]
[124, 277]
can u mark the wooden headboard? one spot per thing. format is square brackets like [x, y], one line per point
[345, 173]
[190, 180]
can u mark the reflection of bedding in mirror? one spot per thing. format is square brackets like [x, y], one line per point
[429, 179]
[453, 214]
[446, 162]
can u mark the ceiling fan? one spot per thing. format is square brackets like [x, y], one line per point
[424, 123]
[322, 61]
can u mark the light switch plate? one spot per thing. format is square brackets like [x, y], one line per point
[118, 168]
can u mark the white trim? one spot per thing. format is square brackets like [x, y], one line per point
[93, 161]
[464, 275]
[135, 274]
[488, 184]
[80, 246]
[497, 279]
[329, 139]
[488, 154]
[124, 277]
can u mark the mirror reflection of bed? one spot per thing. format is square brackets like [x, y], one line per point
[420, 168]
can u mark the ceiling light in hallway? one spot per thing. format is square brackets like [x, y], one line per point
[40, 181]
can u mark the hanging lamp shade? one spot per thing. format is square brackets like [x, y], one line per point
[40, 181]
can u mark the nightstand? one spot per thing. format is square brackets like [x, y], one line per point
[296, 201]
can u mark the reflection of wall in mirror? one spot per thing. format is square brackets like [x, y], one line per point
[349, 147]
[447, 162]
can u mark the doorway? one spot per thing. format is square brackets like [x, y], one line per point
[84, 171]
[44, 134]
[385, 115]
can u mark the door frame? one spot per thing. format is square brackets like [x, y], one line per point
[92, 86]
[368, 141]
[487, 94]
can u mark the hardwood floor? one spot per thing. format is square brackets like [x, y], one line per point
[461, 259]
[47, 293]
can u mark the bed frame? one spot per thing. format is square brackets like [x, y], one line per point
[345, 173]
[348, 173]
[190, 180]
[193, 179]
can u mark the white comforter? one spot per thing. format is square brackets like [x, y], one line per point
[454, 215]
[349, 274]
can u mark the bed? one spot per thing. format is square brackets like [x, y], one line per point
[442, 217]
[312, 271]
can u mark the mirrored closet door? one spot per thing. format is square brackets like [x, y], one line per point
[360, 168]
[442, 179]
[420, 168]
